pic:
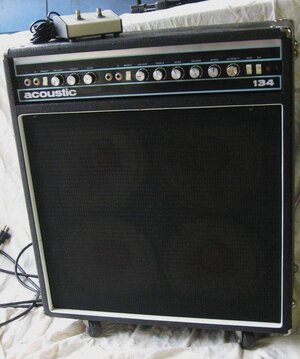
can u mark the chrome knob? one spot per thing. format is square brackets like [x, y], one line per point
[142, 75]
[195, 72]
[177, 73]
[233, 70]
[159, 74]
[89, 78]
[73, 79]
[57, 80]
[214, 71]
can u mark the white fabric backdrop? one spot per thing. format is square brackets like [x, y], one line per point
[38, 336]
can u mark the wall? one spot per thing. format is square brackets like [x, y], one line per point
[17, 15]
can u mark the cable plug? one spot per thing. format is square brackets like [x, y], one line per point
[4, 235]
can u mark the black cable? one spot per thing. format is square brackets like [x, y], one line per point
[19, 271]
[22, 271]
[20, 315]
[43, 30]
[19, 267]
[19, 274]
[22, 304]
[35, 305]
[16, 271]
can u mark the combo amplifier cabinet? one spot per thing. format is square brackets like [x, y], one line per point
[158, 174]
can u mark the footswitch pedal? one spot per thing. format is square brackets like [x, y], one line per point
[88, 24]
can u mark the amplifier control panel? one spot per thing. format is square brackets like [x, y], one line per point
[186, 69]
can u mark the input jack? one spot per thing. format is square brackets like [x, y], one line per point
[36, 81]
[27, 82]
[118, 76]
[108, 76]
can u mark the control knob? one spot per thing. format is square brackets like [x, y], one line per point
[177, 73]
[159, 74]
[214, 71]
[196, 72]
[57, 80]
[233, 70]
[73, 79]
[89, 78]
[142, 75]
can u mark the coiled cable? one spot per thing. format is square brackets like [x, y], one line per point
[43, 30]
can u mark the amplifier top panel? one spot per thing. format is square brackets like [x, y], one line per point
[190, 67]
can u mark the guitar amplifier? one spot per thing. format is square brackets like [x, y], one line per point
[158, 174]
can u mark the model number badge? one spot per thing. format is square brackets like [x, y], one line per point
[263, 83]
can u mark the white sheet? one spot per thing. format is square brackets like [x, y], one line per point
[204, 13]
[38, 336]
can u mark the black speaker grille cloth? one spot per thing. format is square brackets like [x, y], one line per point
[168, 212]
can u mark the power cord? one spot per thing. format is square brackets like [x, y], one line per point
[19, 272]
[4, 235]
[43, 30]
[21, 314]
[21, 304]
[35, 286]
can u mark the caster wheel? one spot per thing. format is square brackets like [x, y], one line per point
[248, 340]
[94, 328]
